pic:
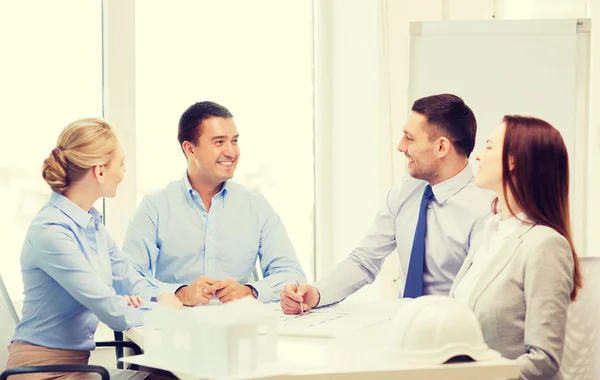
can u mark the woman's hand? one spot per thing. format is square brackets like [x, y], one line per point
[170, 299]
[133, 301]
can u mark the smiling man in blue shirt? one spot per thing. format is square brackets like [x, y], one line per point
[200, 236]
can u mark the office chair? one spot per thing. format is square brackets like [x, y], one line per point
[119, 344]
[580, 357]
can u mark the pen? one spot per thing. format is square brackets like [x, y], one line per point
[301, 307]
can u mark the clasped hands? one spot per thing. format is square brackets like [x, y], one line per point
[204, 288]
[201, 291]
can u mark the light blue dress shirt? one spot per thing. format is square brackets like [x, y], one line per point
[174, 239]
[457, 210]
[73, 276]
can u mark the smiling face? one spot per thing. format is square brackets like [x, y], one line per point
[419, 149]
[489, 175]
[215, 156]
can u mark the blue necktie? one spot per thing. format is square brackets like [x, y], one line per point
[414, 279]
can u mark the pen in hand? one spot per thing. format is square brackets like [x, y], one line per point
[297, 289]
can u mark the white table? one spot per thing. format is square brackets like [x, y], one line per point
[362, 355]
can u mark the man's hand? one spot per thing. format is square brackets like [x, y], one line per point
[199, 291]
[229, 290]
[292, 296]
[133, 301]
[170, 299]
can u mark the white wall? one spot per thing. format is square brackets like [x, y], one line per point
[531, 9]
[119, 99]
[594, 136]
[351, 109]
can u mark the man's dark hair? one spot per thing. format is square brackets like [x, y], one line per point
[191, 120]
[452, 119]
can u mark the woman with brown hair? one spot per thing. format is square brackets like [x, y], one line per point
[522, 270]
[74, 274]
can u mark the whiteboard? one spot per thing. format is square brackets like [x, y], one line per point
[531, 67]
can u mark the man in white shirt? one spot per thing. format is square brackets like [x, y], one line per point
[428, 218]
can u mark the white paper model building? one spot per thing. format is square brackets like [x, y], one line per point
[221, 340]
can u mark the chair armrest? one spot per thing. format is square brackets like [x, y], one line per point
[119, 349]
[127, 344]
[56, 368]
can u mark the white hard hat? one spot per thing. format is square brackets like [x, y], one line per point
[435, 329]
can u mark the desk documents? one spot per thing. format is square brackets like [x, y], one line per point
[330, 322]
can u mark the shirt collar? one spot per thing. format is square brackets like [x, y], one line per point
[444, 190]
[190, 193]
[76, 213]
[506, 227]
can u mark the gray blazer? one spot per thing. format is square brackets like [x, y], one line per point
[522, 297]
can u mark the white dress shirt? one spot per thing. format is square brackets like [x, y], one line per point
[458, 206]
[496, 231]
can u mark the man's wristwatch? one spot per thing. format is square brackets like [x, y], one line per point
[254, 292]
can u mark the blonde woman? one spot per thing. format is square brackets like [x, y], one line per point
[74, 274]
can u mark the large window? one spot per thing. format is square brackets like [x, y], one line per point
[50, 74]
[253, 57]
